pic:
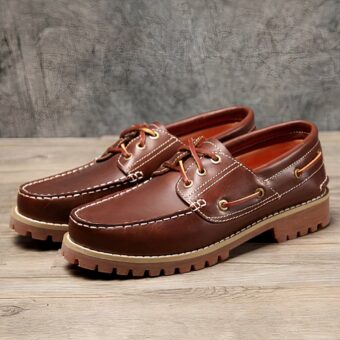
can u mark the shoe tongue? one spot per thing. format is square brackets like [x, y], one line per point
[215, 145]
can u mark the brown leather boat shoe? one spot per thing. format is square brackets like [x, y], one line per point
[44, 205]
[208, 199]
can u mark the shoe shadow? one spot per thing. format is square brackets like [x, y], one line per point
[27, 243]
[76, 271]
[255, 243]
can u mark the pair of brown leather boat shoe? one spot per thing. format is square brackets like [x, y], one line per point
[176, 198]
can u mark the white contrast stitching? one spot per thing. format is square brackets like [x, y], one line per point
[200, 203]
[305, 180]
[234, 161]
[218, 179]
[181, 180]
[115, 184]
[241, 230]
[155, 155]
[211, 143]
[150, 153]
[121, 156]
[190, 212]
[211, 179]
[249, 170]
[169, 135]
[72, 195]
[172, 217]
[155, 149]
[258, 178]
[121, 193]
[294, 163]
[268, 199]
[193, 163]
[62, 174]
[324, 182]
[160, 171]
[251, 206]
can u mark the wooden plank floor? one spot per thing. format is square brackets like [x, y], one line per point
[265, 291]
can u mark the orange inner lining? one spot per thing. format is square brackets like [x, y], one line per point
[262, 156]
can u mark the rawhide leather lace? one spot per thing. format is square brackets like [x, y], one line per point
[196, 150]
[193, 149]
[141, 130]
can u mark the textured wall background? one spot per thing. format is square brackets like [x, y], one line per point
[86, 68]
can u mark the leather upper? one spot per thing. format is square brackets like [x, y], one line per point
[52, 198]
[254, 173]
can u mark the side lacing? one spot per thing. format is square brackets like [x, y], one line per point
[299, 171]
[231, 216]
[294, 163]
[224, 204]
[263, 182]
[239, 231]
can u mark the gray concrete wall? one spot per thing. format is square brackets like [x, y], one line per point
[86, 68]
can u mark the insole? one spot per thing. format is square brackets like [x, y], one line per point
[258, 158]
[210, 132]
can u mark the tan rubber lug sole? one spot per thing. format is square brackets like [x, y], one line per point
[286, 225]
[35, 229]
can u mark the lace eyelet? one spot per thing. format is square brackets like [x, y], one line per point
[201, 173]
[189, 185]
[128, 157]
[216, 161]
[222, 205]
[297, 173]
[140, 146]
[156, 136]
[260, 191]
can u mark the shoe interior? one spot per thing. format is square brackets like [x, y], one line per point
[262, 156]
[211, 132]
[267, 146]
[214, 124]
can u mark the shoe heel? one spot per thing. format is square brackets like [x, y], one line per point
[314, 217]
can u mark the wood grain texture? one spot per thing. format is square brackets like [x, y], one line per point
[88, 68]
[265, 291]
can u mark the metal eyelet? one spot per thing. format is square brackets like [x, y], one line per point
[216, 161]
[222, 205]
[140, 147]
[260, 191]
[189, 185]
[199, 173]
[297, 173]
[156, 136]
[128, 157]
